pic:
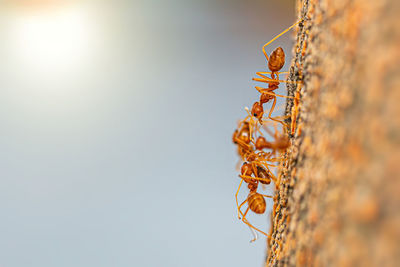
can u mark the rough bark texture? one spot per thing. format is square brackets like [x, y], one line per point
[338, 201]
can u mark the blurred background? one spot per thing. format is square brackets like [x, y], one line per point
[116, 121]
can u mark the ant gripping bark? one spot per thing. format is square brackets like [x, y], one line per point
[275, 63]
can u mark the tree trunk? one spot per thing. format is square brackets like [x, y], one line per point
[338, 200]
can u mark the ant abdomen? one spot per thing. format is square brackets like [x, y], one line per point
[256, 203]
[276, 60]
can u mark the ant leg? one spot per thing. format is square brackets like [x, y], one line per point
[254, 166]
[268, 92]
[264, 160]
[252, 122]
[269, 80]
[244, 219]
[257, 131]
[255, 235]
[267, 160]
[274, 135]
[273, 178]
[263, 74]
[253, 178]
[240, 142]
[240, 208]
[272, 160]
[243, 121]
[276, 37]
[295, 112]
[270, 113]
[249, 119]
[267, 196]
[236, 196]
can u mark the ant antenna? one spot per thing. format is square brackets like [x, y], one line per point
[279, 35]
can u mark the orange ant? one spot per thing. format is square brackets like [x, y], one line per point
[275, 63]
[255, 201]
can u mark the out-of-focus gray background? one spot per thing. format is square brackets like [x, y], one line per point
[116, 121]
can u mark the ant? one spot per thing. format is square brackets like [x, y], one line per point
[275, 63]
[255, 201]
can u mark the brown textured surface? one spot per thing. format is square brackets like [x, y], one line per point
[338, 203]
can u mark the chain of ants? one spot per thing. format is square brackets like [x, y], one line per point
[259, 155]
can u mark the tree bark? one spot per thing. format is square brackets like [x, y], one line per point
[338, 200]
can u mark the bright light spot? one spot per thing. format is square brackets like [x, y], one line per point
[51, 42]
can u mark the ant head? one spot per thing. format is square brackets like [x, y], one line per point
[257, 110]
[262, 143]
[246, 169]
[276, 60]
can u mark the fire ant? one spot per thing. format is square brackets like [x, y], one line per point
[275, 63]
[255, 201]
